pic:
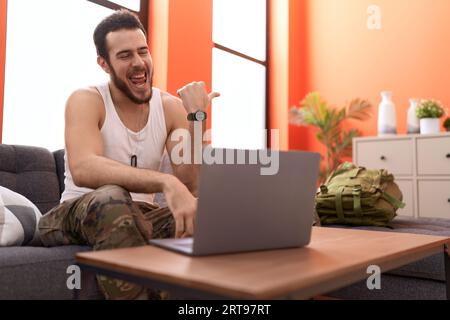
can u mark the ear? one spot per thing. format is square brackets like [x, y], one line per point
[103, 64]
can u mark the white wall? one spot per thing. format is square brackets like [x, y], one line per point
[50, 53]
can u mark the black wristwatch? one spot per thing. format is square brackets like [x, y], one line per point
[197, 116]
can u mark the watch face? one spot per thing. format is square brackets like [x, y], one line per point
[200, 116]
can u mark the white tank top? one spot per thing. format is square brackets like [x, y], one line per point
[148, 145]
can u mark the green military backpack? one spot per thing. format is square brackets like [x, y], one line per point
[356, 196]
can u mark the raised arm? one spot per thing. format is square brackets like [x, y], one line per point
[194, 97]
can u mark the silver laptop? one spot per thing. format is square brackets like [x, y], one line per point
[241, 210]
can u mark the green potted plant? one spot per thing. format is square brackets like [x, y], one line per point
[447, 124]
[429, 112]
[316, 112]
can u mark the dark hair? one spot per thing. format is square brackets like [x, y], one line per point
[122, 19]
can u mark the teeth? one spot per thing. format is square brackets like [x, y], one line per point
[138, 76]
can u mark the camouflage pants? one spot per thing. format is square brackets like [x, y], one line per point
[108, 219]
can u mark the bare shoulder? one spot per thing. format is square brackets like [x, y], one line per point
[85, 96]
[85, 102]
[174, 110]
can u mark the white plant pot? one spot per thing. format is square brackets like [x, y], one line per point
[429, 126]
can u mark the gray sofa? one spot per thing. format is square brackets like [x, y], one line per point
[35, 272]
[40, 273]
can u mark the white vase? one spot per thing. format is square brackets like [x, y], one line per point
[413, 121]
[430, 126]
[387, 117]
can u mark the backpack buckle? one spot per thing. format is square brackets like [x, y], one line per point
[323, 189]
[357, 190]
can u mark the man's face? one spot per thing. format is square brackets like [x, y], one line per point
[131, 66]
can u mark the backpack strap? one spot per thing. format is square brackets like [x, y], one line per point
[393, 201]
[355, 172]
[357, 200]
[339, 206]
[344, 167]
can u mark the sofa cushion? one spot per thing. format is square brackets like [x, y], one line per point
[31, 172]
[431, 268]
[19, 219]
[39, 273]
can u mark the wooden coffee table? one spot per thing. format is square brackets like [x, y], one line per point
[335, 259]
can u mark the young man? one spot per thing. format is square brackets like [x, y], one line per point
[115, 135]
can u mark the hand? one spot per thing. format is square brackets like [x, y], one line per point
[195, 97]
[183, 206]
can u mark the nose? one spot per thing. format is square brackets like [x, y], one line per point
[138, 61]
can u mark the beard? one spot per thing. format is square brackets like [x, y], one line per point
[122, 86]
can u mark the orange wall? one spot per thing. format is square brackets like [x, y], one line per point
[190, 43]
[2, 58]
[279, 69]
[183, 52]
[288, 65]
[298, 67]
[159, 40]
[410, 55]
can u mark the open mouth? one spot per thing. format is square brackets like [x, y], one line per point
[139, 80]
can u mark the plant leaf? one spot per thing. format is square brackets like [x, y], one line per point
[315, 111]
[359, 109]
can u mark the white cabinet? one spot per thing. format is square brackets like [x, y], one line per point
[394, 156]
[421, 166]
[407, 187]
[433, 156]
[434, 199]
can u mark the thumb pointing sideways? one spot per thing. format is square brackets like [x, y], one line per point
[213, 95]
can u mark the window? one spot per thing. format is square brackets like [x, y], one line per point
[240, 74]
[49, 54]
